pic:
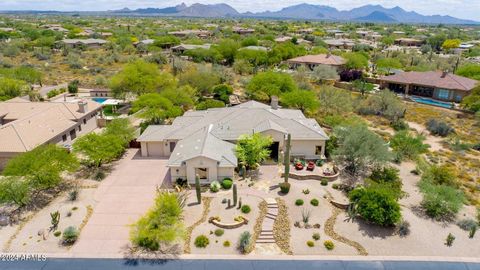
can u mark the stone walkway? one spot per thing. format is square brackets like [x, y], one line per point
[266, 235]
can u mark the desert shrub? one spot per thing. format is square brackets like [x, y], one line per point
[15, 190]
[449, 240]
[73, 195]
[314, 202]
[438, 127]
[388, 176]
[70, 235]
[57, 233]
[406, 146]
[299, 202]
[441, 202]
[306, 191]
[227, 183]
[226, 243]
[335, 186]
[219, 232]
[201, 241]
[284, 187]
[210, 103]
[244, 241]
[441, 175]
[324, 182]
[316, 236]
[310, 243]
[246, 209]
[329, 245]
[399, 125]
[467, 224]
[215, 186]
[403, 228]
[377, 205]
[162, 224]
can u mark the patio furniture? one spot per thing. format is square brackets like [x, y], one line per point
[310, 166]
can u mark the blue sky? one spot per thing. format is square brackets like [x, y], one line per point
[465, 9]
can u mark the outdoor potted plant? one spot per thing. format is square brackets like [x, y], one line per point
[310, 166]
[298, 165]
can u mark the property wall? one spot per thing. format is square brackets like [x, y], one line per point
[201, 162]
[306, 148]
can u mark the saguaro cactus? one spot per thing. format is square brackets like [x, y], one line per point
[234, 194]
[197, 189]
[286, 159]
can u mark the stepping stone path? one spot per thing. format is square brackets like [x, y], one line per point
[266, 235]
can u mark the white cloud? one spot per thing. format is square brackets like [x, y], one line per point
[465, 9]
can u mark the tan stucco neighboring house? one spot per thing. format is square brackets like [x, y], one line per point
[312, 61]
[203, 142]
[25, 125]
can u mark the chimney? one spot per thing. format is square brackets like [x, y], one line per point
[82, 106]
[444, 73]
[274, 102]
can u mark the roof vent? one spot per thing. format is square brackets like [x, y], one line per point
[444, 73]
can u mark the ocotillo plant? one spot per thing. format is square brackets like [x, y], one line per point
[234, 194]
[286, 159]
[197, 189]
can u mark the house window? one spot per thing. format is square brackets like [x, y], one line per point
[79, 128]
[443, 94]
[64, 137]
[84, 121]
[318, 150]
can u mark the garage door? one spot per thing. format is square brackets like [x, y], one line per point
[155, 149]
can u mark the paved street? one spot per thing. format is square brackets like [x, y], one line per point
[119, 264]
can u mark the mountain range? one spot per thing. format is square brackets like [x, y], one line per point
[367, 13]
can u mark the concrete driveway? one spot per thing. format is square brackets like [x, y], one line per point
[122, 198]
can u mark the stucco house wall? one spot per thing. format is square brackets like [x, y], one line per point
[201, 162]
[306, 148]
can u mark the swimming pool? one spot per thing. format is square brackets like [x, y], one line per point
[432, 102]
[99, 100]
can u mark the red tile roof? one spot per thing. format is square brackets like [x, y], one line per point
[433, 79]
[319, 59]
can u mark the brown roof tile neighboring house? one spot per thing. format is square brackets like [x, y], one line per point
[437, 79]
[319, 59]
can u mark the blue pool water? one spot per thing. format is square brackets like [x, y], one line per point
[99, 99]
[432, 102]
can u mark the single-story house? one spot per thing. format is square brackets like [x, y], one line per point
[182, 48]
[311, 61]
[185, 33]
[255, 48]
[345, 44]
[243, 31]
[203, 142]
[90, 43]
[433, 84]
[25, 125]
[288, 38]
[408, 42]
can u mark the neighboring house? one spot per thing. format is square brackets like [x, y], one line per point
[408, 42]
[345, 44]
[100, 93]
[311, 61]
[185, 33]
[90, 43]
[243, 31]
[182, 48]
[144, 42]
[434, 84]
[288, 38]
[203, 142]
[25, 125]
